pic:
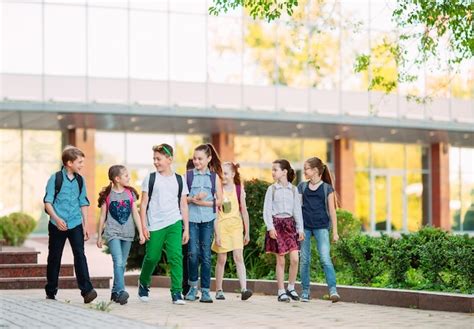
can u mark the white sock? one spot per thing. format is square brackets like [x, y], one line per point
[281, 292]
[291, 287]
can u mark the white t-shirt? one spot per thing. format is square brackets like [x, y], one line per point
[163, 208]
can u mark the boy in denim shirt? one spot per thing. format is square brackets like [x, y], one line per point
[66, 203]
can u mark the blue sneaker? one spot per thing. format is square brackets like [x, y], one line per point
[177, 298]
[192, 294]
[305, 296]
[143, 292]
[205, 296]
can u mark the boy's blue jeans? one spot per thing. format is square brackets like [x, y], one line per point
[323, 244]
[119, 249]
[199, 251]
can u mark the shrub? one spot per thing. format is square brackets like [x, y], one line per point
[16, 227]
[347, 224]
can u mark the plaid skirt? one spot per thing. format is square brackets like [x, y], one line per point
[287, 237]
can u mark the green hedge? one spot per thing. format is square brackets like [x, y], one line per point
[16, 227]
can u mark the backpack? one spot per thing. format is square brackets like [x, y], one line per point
[189, 181]
[58, 183]
[273, 191]
[304, 185]
[151, 183]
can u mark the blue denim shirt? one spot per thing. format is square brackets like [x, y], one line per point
[68, 202]
[201, 183]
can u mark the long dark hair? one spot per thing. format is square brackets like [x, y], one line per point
[235, 169]
[215, 163]
[325, 173]
[285, 164]
[114, 171]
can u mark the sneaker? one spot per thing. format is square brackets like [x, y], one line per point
[220, 295]
[192, 294]
[293, 294]
[246, 294]
[177, 298]
[51, 297]
[305, 297]
[334, 297]
[90, 296]
[284, 298]
[205, 296]
[143, 292]
[122, 298]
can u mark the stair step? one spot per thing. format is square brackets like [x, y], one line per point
[31, 270]
[65, 282]
[19, 257]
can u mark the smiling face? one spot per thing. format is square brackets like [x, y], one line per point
[76, 165]
[123, 179]
[228, 175]
[161, 162]
[201, 160]
[311, 173]
[278, 174]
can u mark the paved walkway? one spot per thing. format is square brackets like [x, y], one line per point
[258, 312]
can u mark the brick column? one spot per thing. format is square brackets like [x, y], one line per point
[84, 139]
[224, 144]
[440, 185]
[344, 173]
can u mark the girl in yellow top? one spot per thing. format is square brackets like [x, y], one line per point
[232, 231]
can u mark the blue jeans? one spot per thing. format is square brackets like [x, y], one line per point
[322, 242]
[119, 249]
[199, 251]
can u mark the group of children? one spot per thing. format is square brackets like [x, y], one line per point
[203, 210]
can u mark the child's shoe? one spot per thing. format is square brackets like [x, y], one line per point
[113, 296]
[334, 297]
[305, 297]
[90, 296]
[293, 294]
[205, 296]
[220, 295]
[122, 298]
[192, 294]
[246, 294]
[52, 297]
[143, 292]
[177, 298]
[284, 298]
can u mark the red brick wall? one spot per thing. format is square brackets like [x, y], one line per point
[344, 164]
[440, 185]
[224, 144]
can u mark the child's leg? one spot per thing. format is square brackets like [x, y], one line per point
[293, 271]
[220, 265]
[305, 261]
[76, 239]
[205, 236]
[322, 239]
[154, 247]
[56, 242]
[193, 254]
[174, 255]
[240, 266]
[185, 284]
[280, 271]
[117, 258]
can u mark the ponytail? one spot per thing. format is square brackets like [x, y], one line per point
[103, 194]
[215, 163]
[285, 164]
[325, 173]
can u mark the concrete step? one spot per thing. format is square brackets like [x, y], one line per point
[18, 257]
[65, 282]
[31, 270]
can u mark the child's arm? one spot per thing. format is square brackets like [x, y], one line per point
[185, 214]
[48, 205]
[103, 213]
[245, 216]
[218, 197]
[143, 206]
[332, 213]
[138, 223]
[267, 213]
[298, 215]
[84, 222]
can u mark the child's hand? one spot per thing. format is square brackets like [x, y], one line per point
[246, 239]
[86, 234]
[146, 233]
[335, 236]
[99, 242]
[217, 239]
[61, 224]
[201, 195]
[185, 238]
[141, 239]
[273, 234]
[301, 236]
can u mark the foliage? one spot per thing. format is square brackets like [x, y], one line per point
[347, 224]
[263, 9]
[103, 306]
[16, 227]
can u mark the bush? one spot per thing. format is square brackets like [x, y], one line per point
[347, 224]
[16, 227]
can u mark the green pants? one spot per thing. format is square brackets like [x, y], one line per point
[169, 238]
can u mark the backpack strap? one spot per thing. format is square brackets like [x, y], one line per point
[273, 192]
[238, 189]
[301, 188]
[58, 183]
[151, 183]
[213, 190]
[326, 192]
[180, 188]
[189, 178]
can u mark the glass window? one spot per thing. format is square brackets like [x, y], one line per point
[110, 147]
[159, 5]
[467, 200]
[414, 156]
[381, 15]
[10, 146]
[40, 146]
[362, 199]
[188, 6]
[188, 48]
[389, 156]
[381, 203]
[149, 45]
[107, 43]
[65, 40]
[22, 38]
[315, 148]
[396, 204]
[414, 193]
[247, 149]
[362, 154]
[35, 177]
[281, 148]
[10, 189]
